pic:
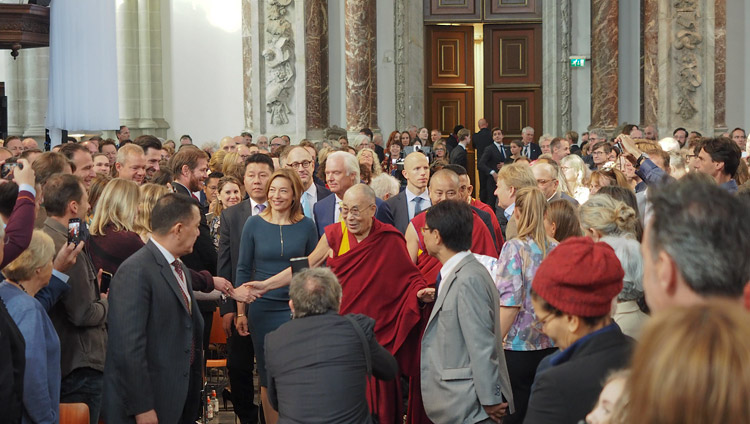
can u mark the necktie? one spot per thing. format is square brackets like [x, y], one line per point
[178, 270]
[306, 204]
[417, 206]
[526, 151]
[437, 283]
[259, 208]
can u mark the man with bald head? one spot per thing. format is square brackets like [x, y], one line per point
[29, 143]
[299, 159]
[342, 172]
[387, 288]
[482, 138]
[546, 179]
[228, 144]
[415, 198]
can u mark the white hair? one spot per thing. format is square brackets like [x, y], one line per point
[669, 145]
[359, 139]
[350, 162]
[628, 251]
[385, 186]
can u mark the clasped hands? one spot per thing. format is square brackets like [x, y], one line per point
[249, 291]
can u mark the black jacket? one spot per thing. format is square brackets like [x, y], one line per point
[458, 156]
[566, 392]
[481, 141]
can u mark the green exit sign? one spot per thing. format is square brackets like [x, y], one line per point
[577, 62]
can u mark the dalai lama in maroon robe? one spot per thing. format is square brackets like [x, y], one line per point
[379, 280]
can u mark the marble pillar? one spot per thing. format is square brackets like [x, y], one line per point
[720, 65]
[409, 60]
[274, 67]
[650, 25]
[556, 74]
[139, 66]
[26, 90]
[316, 62]
[686, 65]
[604, 57]
[361, 54]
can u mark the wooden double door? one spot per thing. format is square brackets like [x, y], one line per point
[511, 83]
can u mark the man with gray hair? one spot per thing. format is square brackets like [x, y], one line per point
[320, 346]
[530, 149]
[342, 172]
[596, 135]
[695, 245]
[385, 186]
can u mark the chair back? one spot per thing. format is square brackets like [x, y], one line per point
[74, 413]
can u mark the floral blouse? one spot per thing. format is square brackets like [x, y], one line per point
[515, 270]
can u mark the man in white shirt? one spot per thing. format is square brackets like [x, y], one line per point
[415, 198]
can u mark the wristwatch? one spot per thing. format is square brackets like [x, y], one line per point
[640, 160]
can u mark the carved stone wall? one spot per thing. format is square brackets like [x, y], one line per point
[686, 65]
[409, 45]
[650, 62]
[274, 67]
[556, 87]
[316, 62]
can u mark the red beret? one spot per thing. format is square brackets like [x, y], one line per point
[580, 277]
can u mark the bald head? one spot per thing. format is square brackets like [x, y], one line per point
[417, 172]
[444, 185]
[360, 193]
[482, 123]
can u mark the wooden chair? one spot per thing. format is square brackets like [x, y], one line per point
[74, 413]
[217, 375]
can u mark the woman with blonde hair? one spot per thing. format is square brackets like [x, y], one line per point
[603, 216]
[113, 236]
[369, 159]
[525, 346]
[150, 193]
[41, 376]
[576, 174]
[228, 195]
[230, 159]
[269, 241]
[216, 163]
[690, 367]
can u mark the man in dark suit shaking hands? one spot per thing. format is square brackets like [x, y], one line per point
[153, 367]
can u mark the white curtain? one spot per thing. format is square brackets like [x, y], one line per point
[82, 67]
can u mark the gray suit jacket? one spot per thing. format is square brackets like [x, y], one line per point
[560, 195]
[230, 231]
[151, 337]
[462, 362]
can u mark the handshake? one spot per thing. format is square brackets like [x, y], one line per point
[245, 293]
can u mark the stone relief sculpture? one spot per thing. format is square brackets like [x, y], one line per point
[279, 56]
[687, 45]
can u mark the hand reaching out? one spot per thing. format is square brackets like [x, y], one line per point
[223, 285]
[427, 295]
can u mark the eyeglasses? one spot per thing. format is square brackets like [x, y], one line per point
[305, 164]
[538, 324]
[354, 211]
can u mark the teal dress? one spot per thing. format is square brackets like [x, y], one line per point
[265, 250]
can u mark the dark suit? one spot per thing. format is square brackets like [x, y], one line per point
[203, 258]
[488, 162]
[560, 195]
[482, 140]
[534, 151]
[324, 212]
[400, 210]
[380, 152]
[458, 156]
[305, 355]
[322, 192]
[241, 352]
[567, 391]
[152, 337]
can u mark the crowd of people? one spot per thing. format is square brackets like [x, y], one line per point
[596, 279]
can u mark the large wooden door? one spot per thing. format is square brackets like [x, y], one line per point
[513, 77]
[449, 77]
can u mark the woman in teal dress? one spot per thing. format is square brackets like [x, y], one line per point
[269, 240]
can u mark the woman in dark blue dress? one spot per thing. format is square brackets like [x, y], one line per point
[269, 240]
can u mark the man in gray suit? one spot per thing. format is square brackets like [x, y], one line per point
[463, 373]
[153, 367]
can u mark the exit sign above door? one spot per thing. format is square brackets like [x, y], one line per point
[577, 61]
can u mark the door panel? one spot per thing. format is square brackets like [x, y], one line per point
[514, 110]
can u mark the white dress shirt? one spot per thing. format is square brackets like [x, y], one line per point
[449, 266]
[170, 258]
[426, 203]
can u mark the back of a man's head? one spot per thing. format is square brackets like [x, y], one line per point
[171, 209]
[704, 229]
[517, 175]
[315, 291]
[454, 221]
[48, 164]
[59, 191]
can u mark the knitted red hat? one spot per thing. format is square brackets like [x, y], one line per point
[580, 277]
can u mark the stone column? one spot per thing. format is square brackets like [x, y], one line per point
[650, 27]
[409, 61]
[556, 85]
[604, 56]
[316, 64]
[26, 89]
[720, 69]
[686, 59]
[273, 50]
[361, 54]
[139, 65]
